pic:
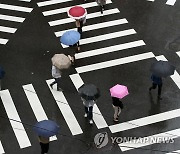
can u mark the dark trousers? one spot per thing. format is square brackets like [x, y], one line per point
[154, 85]
[89, 110]
[44, 147]
[101, 8]
[58, 81]
[79, 29]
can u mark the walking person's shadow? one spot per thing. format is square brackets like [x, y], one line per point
[155, 106]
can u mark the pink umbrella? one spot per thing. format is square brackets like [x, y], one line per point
[119, 91]
[77, 12]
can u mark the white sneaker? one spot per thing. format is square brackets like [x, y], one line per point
[91, 122]
[85, 115]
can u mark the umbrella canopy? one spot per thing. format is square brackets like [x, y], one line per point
[77, 12]
[46, 128]
[61, 61]
[89, 92]
[70, 37]
[119, 91]
[162, 68]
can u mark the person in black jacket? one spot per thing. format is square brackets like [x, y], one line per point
[117, 105]
[156, 81]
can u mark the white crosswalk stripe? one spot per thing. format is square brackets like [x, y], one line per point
[105, 37]
[109, 49]
[96, 26]
[15, 8]
[168, 2]
[12, 18]
[66, 111]
[16, 123]
[64, 10]
[89, 16]
[1, 148]
[148, 140]
[7, 29]
[174, 152]
[114, 62]
[51, 2]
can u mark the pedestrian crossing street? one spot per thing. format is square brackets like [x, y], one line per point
[53, 11]
[168, 2]
[39, 112]
[12, 14]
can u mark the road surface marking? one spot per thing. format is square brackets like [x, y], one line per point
[110, 49]
[145, 121]
[11, 18]
[65, 9]
[7, 29]
[89, 16]
[36, 104]
[138, 143]
[96, 26]
[114, 62]
[105, 37]
[65, 110]
[15, 8]
[12, 113]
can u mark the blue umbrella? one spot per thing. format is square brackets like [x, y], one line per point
[70, 37]
[46, 128]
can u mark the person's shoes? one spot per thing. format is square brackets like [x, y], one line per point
[115, 120]
[85, 115]
[51, 86]
[91, 122]
[78, 48]
[59, 89]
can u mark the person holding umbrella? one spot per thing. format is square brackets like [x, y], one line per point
[45, 129]
[118, 106]
[71, 38]
[79, 14]
[89, 94]
[160, 69]
[156, 81]
[118, 92]
[44, 143]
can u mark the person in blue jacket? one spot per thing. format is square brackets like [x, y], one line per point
[156, 81]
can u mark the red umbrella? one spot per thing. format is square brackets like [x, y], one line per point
[77, 12]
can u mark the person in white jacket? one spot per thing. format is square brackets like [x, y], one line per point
[88, 106]
[56, 74]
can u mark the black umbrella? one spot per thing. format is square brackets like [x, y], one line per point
[89, 92]
[162, 68]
